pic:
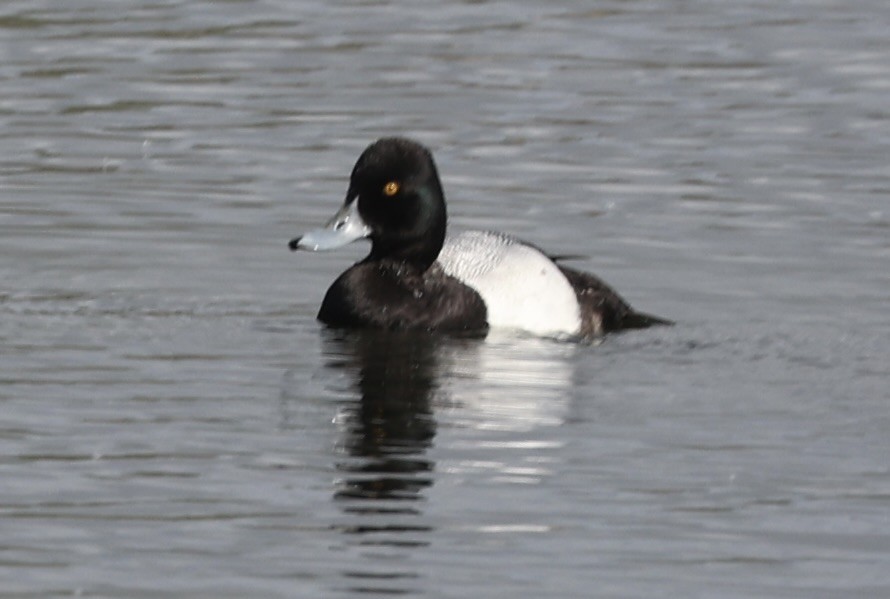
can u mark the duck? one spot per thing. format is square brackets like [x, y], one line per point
[418, 277]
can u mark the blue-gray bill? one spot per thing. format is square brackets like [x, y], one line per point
[345, 227]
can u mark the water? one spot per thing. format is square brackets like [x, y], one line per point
[176, 424]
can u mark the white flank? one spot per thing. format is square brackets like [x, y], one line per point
[522, 288]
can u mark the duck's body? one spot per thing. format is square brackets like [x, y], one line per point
[523, 288]
[416, 278]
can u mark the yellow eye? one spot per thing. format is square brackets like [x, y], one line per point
[391, 188]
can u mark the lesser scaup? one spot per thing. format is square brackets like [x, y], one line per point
[417, 278]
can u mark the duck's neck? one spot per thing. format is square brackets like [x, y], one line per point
[420, 253]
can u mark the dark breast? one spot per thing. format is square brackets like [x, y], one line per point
[396, 296]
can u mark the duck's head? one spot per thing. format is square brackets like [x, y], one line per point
[395, 199]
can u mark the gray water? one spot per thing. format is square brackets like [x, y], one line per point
[175, 423]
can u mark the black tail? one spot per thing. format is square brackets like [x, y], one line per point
[641, 320]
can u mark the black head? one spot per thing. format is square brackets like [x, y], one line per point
[400, 199]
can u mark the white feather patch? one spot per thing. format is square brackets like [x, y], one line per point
[521, 287]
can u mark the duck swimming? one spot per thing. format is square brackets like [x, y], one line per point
[417, 278]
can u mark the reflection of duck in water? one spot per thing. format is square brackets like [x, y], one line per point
[483, 402]
[509, 384]
[388, 430]
[416, 278]
[409, 383]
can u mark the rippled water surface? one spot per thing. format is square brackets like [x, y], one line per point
[176, 424]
